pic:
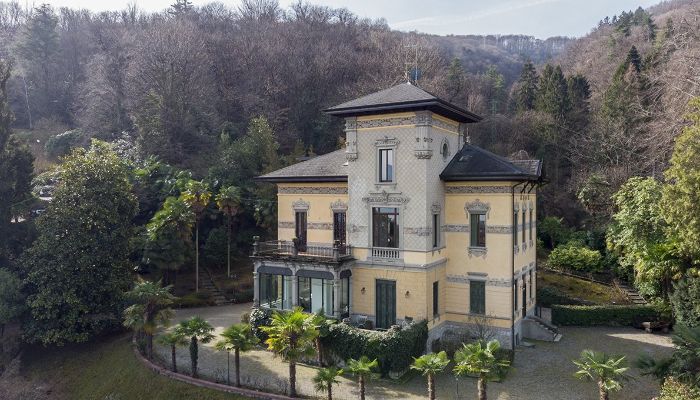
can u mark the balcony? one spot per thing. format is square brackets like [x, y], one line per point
[323, 252]
[389, 253]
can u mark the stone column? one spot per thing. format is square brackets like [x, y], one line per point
[295, 291]
[336, 298]
[256, 289]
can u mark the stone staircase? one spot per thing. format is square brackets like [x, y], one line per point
[631, 294]
[538, 329]
[206, 284]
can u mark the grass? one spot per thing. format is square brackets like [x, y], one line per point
[107, 370]
[581, 289]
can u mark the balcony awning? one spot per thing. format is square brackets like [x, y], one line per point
[267, 269]
[307, 273]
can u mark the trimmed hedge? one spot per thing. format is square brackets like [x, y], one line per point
[394, 349]
[603, 315]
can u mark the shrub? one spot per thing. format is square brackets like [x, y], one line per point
[215, 247]
[684, 301]
[394, 349]
[575, 257]
[674, 390]
[552, 232]
[245, 318]
[603, 315]
[61, 144]
[548, 296]
[259, 317]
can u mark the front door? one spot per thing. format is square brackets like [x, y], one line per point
[385, 304]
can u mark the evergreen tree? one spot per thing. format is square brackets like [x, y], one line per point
[552, 94]
[456, 80]
[526, 92]
[78, 269]
[37, 49]
[579, 91]
[496, 96]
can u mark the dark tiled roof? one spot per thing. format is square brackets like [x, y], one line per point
[402, 97]
[473, 163]
[330, 167]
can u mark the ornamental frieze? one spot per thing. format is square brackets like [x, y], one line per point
[285, 225]
[312, 190]
[339, 205]
[477, 206]
[301, 205]
[499, 229]
[444, 125]
[477, 189]
[384, 122]
[418, 231]
[320, 225]
[455, 228]
[386, 198]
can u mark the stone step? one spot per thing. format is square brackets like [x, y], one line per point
[557, 337]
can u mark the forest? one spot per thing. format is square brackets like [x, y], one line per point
[171, 114]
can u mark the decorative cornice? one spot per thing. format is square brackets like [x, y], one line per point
[385, 198]
[444, 125]
[476, 189]
[477, 251]
[301, 205]
[339, 205]
[477, 206]
[387, 141]
[312, 190]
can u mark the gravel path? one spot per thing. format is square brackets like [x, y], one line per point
[543, 372]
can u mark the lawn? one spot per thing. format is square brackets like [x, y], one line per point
[105, 370]
[581, 289]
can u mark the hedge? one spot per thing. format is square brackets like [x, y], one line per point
[603, 315]
[394, 349]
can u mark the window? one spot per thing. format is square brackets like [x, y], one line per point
[532, 223]
[385, 227]
[477, 297]
[339, 227]
[386, 165]
[515, 295]
[344, 297]
[478, 230]
[300, 229]
[445, 150]
[436, 309]
[276, 291]
[316, 295]
[515, 227]
[524, 222]
[436, 230]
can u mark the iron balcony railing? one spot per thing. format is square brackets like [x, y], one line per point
[287, 248]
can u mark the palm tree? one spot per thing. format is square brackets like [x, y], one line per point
[196, 196]
[325, 379]
[237, 337]
[173, 339]
[429, 365]
[480, 360]
[169, 237]
[229, 202]
[198, 330]
[608, 371]
[291, 335]
[150, 309]
[361, 368]
[322, 324]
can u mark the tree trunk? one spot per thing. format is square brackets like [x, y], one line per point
[481, 388]
[228, 249]
[228, 368]
[330, 391]
[193, 355]
[173, 355]
[237, 364]
[362, 387]
[149, 346]
[319, 355]
[603, 391]
[196, 261]
[431, 387]
[292, 379]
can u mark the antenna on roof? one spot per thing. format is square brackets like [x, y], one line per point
[411, 72]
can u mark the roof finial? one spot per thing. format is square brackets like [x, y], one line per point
[407, 64]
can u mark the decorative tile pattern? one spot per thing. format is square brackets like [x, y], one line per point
[320, 225]
[385, 122]
[476, 189]
[285, 225]
[499, 229]
[418, 231]
[312, 190]
[455, 228]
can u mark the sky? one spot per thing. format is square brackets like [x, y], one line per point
[539, 18]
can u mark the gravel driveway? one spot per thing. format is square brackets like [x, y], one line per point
[542, 373]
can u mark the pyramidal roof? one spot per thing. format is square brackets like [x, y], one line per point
[472, 163]
[402, 97]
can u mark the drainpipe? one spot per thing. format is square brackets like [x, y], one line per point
[512, 265]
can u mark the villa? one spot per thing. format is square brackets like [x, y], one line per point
[408, 222]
